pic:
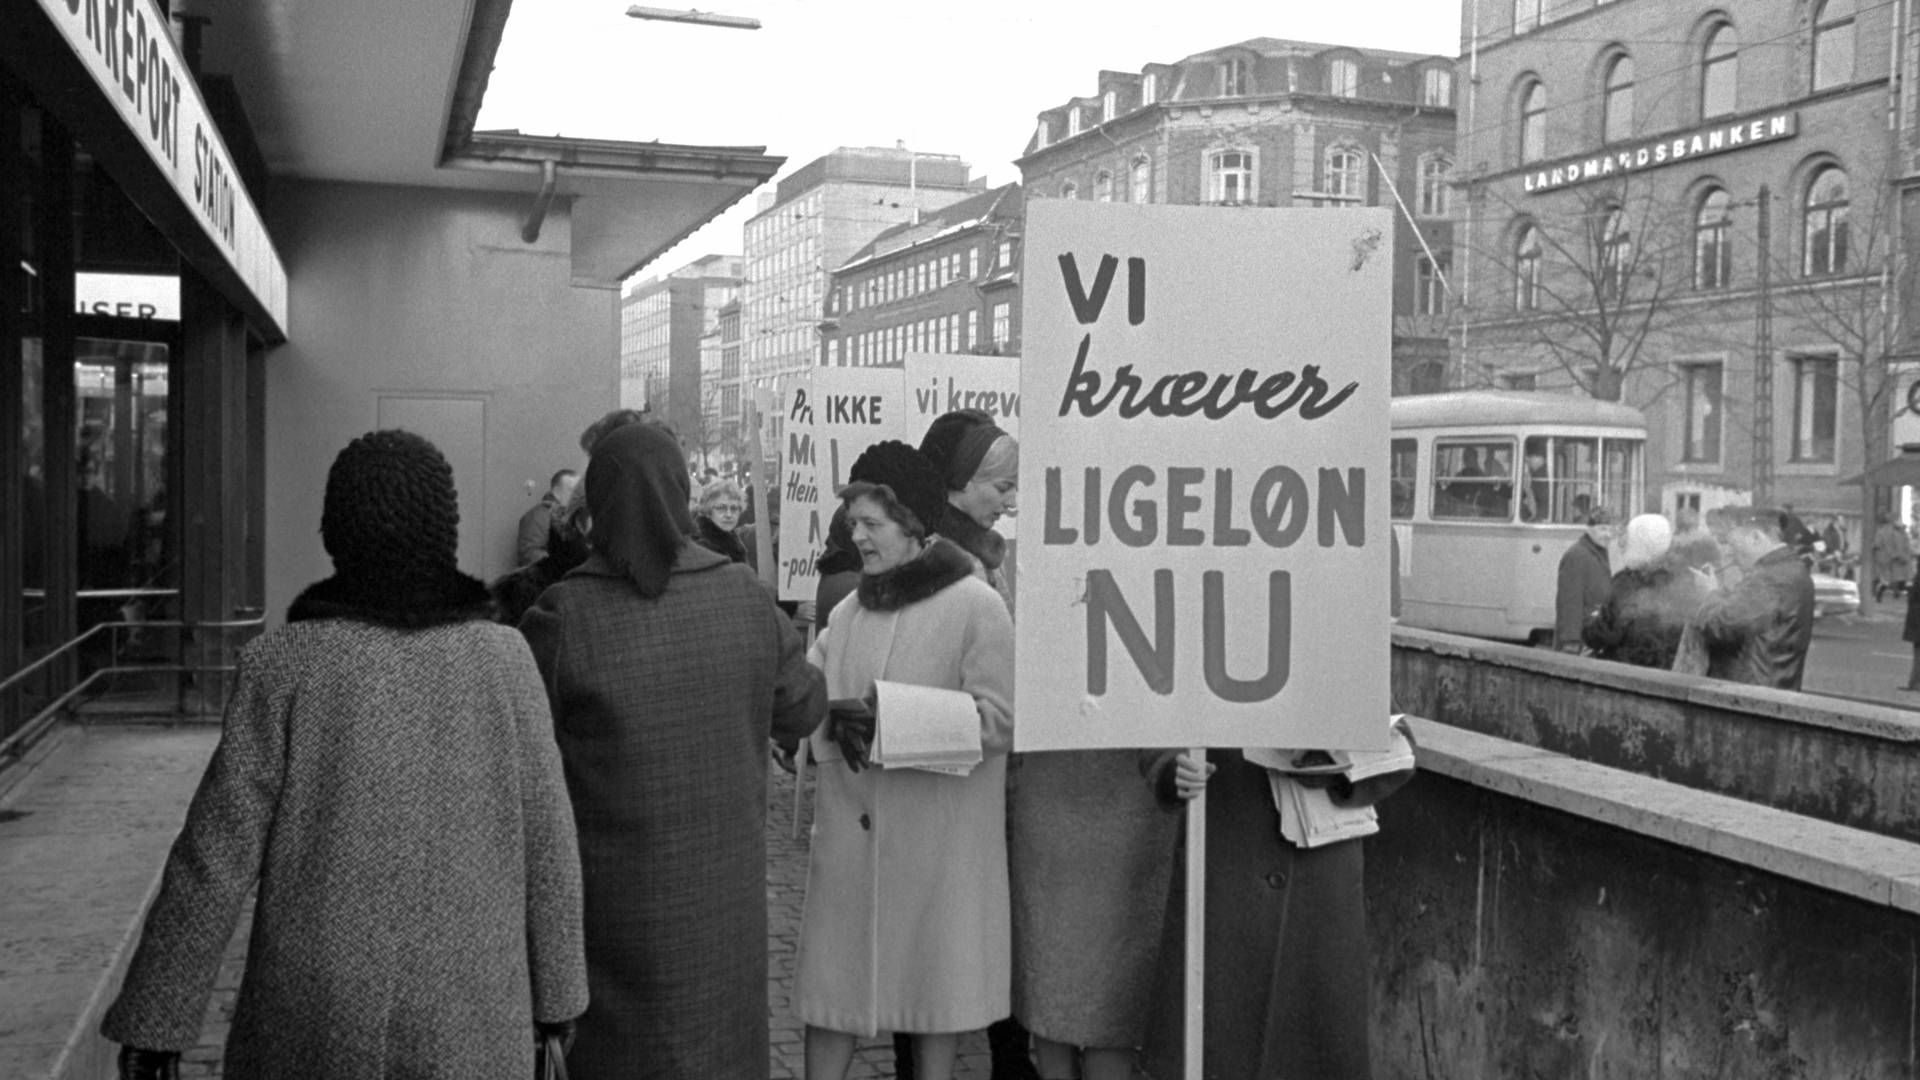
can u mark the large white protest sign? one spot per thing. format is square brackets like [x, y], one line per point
[830, 418]
[1204, 477]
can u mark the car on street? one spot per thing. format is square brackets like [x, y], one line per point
[1834, 596]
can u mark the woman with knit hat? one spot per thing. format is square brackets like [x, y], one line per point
[387, 776]
[668, 667]
[979, 466]
[905, 922]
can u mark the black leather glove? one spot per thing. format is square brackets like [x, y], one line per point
[850, 726]
[138, 1064]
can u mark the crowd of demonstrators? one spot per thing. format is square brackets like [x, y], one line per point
[668, 668]
[387, 777]
[531, 545]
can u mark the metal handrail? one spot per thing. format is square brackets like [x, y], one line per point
[41, 720]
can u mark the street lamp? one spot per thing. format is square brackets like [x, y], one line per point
[699, 18]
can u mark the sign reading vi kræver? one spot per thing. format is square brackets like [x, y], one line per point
[1203, 477]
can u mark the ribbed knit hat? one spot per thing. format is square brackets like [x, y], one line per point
[906, 474]
[391, 514]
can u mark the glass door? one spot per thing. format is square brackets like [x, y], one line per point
[128, 569]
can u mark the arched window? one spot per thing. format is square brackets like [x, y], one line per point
[1346, 173]
[1433, 185]
[1826, 227]
[1069, 190]
[1103, 186]
[1141, 182]
[1526, 269]
[1616, 123]
[1616, 253]
[1343, 78]
[1533, 121]
[1230, 177]
[1833, 44]
[1719, 73]
[1712, 256]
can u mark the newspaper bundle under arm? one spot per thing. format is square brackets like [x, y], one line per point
[1308, 816]
[924, 727]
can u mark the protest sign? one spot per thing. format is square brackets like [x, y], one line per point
[1204, 477]
[939, 383]
[831, 416]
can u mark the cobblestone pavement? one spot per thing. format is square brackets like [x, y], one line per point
[786, 889]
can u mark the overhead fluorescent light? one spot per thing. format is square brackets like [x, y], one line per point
[698, 18]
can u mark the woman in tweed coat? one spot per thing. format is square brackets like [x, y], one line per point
[387, 775]
[668, 667]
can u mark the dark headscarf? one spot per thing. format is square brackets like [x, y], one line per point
[637, 491]
[957, 442]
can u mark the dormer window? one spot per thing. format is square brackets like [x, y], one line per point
[1436, 87]
[1234, 78]
[1149, 88]
[1043, 134]
[1073, 121]
[1343, 78]
[1109, 103]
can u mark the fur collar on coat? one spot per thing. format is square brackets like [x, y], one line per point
[453, 597]
[980, 542]
[940, 565]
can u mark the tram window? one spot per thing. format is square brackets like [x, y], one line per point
[1560, 479]
[1404, 466]
[1620, 464]
[1473, 479]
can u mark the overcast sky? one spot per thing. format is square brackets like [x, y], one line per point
[960, 78]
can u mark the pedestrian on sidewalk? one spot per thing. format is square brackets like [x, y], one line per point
[1757, 630]
[1583, 582]
[1911, 633]
[905, 926]
[668, 668]
[1650, 601]
[387, 776]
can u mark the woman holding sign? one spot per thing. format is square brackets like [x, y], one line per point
[905, 927]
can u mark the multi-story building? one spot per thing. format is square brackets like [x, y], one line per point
[1688, 209]
[1268, 122]
[662, 322]
[732, 445]
[813, 222]
[946, 284]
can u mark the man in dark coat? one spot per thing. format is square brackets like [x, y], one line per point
[531, 546]
[1758, 629]
[1585, 578]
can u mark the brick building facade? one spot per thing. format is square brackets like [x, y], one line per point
[1688, 207]
[949, 283]
[1269, 122]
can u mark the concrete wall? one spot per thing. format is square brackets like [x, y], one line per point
[425, 305]
[1834, 760]
[1512, 939]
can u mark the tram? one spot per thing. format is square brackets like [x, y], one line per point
[1490, 488]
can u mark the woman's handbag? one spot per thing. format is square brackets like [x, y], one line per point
[550, 1058]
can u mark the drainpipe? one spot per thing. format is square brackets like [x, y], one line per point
[549, 179]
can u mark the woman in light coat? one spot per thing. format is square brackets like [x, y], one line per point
[387, 776]
[906, 926]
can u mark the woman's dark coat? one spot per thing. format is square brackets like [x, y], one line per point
[662, 709]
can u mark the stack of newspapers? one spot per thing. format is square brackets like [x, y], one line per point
[923, 727]
[1308, 815]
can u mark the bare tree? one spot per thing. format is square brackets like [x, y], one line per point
[705, 434]
[1593, 275]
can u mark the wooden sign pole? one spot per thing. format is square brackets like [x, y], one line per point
[1195, 996]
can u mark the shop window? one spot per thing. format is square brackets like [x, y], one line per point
[1826, 224]
[1719, 73]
